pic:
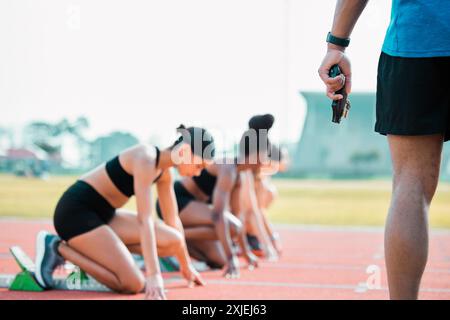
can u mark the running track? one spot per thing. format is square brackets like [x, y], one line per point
[318, 263]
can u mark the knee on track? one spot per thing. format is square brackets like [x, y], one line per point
[132, 283]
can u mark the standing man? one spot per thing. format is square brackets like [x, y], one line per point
[413, 110]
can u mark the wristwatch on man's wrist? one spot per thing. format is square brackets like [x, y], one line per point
[342, 42]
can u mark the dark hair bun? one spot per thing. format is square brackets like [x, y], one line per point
[197, 137]
[261, 122]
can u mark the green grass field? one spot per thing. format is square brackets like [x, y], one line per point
[299, 201]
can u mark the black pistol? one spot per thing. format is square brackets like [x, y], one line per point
[340, 107]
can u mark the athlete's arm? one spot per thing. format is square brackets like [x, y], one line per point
[346, 15]
[255, 212]
[221, 200]
[167, 201]
[144, 173]
[169, 210]
[252, 260]
[265, 184]
[274, 236]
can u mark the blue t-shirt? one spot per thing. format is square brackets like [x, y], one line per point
[418, 28]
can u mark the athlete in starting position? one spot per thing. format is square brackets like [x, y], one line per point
[99, 237]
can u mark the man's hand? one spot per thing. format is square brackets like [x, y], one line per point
[232, 268]
[192, 276]
[336, 55]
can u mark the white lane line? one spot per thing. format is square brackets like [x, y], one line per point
[282, 284]
[314, 285]
[312, 266]
[366, 229]
[26, 220]
[336, 267]
[360, 288]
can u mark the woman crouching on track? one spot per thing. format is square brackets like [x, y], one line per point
[205, 203]
[99, 237]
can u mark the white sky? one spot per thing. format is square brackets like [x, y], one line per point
[147, 66]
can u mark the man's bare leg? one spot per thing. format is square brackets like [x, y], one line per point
[416, 164]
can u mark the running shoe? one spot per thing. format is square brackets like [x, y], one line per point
[47, 258]
[255, 246]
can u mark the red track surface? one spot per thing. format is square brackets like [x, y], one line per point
[318, 263]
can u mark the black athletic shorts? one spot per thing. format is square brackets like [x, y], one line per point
[81, 209]
[413, 96]
[182, 195]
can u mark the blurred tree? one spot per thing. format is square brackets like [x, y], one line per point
[49, 136]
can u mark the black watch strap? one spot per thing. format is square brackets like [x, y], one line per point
[342, 42]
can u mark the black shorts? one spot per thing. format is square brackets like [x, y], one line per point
[413, 96]
[81, 209]
[181, 194]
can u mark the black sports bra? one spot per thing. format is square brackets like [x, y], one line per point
[206, 182]
[122, 179]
